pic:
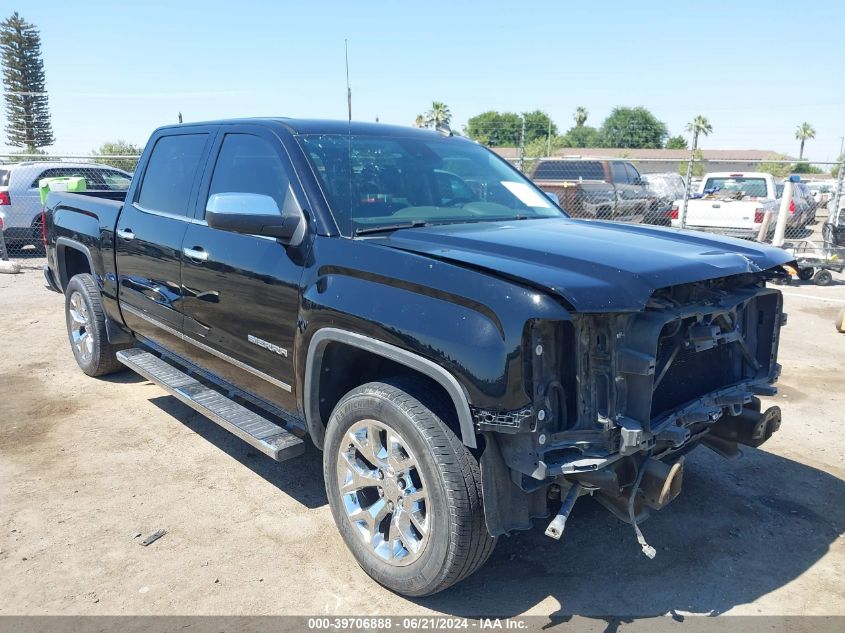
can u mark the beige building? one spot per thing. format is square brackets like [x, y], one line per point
[652, 161]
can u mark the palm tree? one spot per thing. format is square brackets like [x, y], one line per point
[803, 133]
[699, 125]
[580, 116]
[419, 121]
[438, 115]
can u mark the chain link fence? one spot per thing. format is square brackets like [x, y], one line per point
[21, 192]
[755, 199]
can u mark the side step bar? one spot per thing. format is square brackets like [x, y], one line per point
[269, 438]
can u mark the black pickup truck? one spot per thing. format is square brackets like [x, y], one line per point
[467, 357]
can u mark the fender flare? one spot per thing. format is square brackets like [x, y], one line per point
[115, 332]
[63, 243]
[324, 336]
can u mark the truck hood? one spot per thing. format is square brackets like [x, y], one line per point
[594, 266]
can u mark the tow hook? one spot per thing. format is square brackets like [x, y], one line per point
[555, 529]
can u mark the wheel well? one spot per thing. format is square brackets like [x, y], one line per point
[73, 262]
[345, 367]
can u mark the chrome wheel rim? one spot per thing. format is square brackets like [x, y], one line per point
[383, 492]
[80, 327]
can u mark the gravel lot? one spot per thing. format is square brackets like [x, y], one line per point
[87, 464]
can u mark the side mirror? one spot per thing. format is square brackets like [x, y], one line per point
[256, 214]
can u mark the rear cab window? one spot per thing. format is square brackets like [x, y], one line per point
[751, 187]
[569, 170]
[4, 177]
[170, 174]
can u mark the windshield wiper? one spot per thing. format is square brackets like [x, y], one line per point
[384, 228]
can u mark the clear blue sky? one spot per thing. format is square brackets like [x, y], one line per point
[755, 69]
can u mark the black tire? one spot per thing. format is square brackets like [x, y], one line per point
[823, 278]
[805, 274]
[457, 542]
[96, 357]
[37, 237]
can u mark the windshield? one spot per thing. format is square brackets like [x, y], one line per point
[752, 187]
[373, 181]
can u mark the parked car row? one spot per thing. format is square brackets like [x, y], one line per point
[20, 200]
[721, 202]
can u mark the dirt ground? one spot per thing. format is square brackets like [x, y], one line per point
[86, 464]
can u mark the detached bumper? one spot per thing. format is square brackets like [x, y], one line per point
[50, 280]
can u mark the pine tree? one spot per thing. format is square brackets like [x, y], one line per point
[27, 112]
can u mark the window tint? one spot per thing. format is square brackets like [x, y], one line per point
[250, 164]
[170, 173]
[569, 170]
[633, 174]
[620, 176]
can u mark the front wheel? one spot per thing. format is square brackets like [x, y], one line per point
[404, 491]
[86, 328]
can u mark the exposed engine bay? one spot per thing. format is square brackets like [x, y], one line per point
[618, 399]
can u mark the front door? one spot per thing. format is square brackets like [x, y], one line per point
[149, 238]
[241, 292]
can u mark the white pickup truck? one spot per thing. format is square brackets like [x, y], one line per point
[735, 204]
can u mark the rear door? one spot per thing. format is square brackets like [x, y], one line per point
[241, 292]
[149, 236]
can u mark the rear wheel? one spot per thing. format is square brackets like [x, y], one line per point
[404, 491]
[86, 328]
[805, 274]
[823, 278]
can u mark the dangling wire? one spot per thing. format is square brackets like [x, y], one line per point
[648, 550]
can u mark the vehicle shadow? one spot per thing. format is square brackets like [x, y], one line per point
[738, 531]
[301, 477]
[123, 377]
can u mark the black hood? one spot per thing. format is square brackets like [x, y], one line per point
[594, 266]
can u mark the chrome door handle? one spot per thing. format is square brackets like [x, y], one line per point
[196, 254]
[126, 234]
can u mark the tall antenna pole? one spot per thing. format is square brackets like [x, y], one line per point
[348, 88]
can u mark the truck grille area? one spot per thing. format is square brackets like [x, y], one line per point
[609, 385]
[692, 373]
[727, 338]
[651, 379]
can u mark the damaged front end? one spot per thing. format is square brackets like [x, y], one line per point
[617, 399]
